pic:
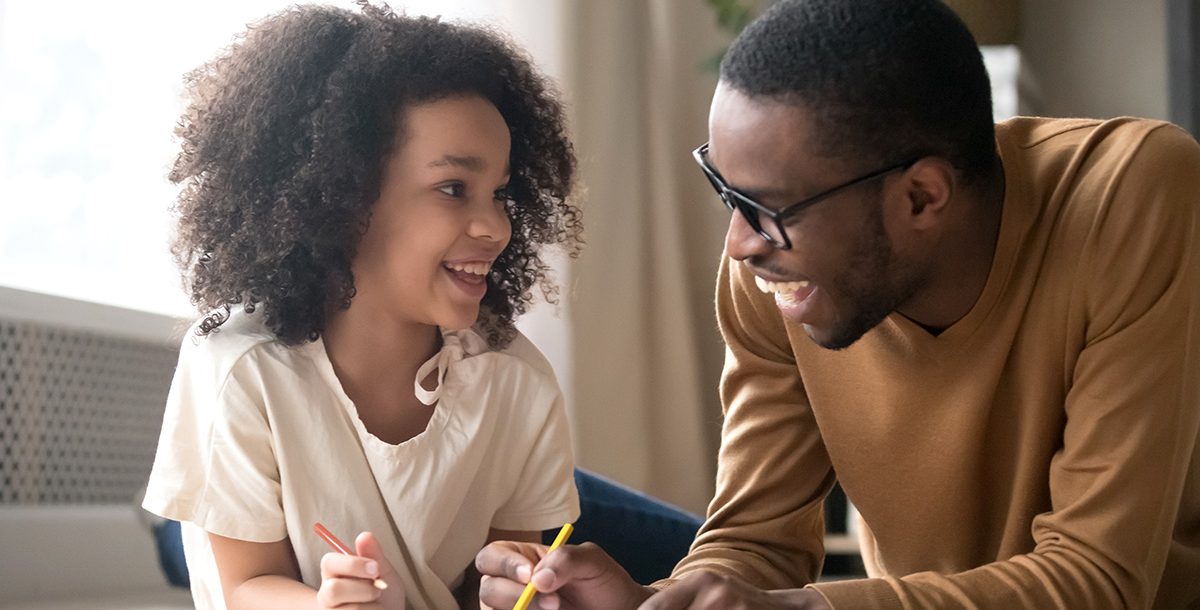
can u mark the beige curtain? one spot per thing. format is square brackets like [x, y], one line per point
[645, 351]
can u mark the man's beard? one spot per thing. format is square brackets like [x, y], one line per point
[873, 283]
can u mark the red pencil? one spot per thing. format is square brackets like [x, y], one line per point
[341, 547]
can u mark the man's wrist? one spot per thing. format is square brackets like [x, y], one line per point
[640, 594]
[801, 599]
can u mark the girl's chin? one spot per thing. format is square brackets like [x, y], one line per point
[460, 319]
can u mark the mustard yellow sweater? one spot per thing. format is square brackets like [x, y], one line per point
[1039, 453]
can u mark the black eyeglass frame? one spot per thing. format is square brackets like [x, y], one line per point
[746, 205]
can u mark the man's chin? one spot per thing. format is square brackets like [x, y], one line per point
[838, 339]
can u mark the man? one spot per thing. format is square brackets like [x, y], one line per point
[990, 335]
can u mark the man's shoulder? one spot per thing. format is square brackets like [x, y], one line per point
[1041, 132]
[1076, 163]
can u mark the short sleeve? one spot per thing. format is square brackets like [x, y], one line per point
[215, 465]
[545, 496]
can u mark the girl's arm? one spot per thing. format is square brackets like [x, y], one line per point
[265, 576]
[260, 574]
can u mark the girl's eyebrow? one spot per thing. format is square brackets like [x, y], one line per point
[469, 163]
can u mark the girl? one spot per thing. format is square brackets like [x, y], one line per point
[365, 197]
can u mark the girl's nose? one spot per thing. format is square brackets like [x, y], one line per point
[491, 222]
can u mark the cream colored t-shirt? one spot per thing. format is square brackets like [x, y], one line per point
[259, 441]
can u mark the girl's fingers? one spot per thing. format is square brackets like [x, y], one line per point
[369, 549]
[346, 579]
[337, 565]
[338, 591]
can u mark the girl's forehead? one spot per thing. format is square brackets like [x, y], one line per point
[465, 134]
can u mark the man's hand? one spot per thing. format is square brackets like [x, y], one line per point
[574, 577]
[712, 591]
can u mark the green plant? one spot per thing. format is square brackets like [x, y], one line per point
[732, 17]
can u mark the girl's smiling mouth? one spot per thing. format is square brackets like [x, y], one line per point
[470, 276]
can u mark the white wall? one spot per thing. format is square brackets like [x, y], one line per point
[1094, 58]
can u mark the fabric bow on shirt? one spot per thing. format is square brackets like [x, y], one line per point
[455, 346]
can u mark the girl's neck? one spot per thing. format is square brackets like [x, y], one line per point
[372, 353]
[376, 358]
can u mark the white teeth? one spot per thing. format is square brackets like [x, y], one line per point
[780, 288]
[786, 298]
[472, 268]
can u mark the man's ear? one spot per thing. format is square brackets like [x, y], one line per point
[929, 185]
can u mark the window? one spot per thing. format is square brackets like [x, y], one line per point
[1003, 63]
[89, 95]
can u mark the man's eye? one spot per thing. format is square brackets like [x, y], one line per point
[454, 189]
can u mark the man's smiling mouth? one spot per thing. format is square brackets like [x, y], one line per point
[779, 287]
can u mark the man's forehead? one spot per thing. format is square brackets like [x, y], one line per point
[768, 148]
[739, 121]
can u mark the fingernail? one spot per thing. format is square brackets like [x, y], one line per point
[544, 578]
[523, 573]
[372, 568]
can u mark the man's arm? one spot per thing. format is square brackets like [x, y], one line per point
[765, 524]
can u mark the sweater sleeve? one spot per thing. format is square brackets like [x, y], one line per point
[1131, 415]
[765, 524]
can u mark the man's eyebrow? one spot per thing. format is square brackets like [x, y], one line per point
[755, 192]
[470, 163]
[761, 192]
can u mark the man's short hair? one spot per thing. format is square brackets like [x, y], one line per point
[885, 80]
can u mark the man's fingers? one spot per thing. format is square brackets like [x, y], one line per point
[511, 560]
[570, 563]
[499, 592]
[506, 567]
[573, 576]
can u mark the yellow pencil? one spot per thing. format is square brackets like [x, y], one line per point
[527, 594]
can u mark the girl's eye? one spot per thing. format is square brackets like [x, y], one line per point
[502, 194]
[454, 189]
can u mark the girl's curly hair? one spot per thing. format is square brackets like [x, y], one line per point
[284, 142]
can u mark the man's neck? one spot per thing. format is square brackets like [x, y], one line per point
[963, 262]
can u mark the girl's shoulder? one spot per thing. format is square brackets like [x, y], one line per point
[525, 352]
[212, 357]
[520, 353]
[520, 361]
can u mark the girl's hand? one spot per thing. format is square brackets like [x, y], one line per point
[347, 581]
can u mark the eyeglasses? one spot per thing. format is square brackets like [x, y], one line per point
[754, 212]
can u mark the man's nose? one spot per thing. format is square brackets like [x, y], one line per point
[742, 241]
